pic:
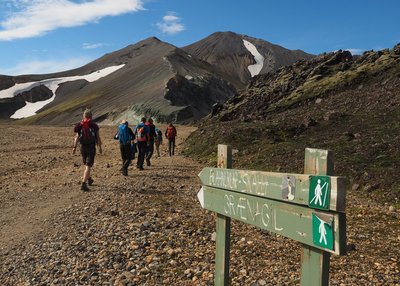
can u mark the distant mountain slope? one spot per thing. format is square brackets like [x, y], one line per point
[344, 103]
[227, 52]
[151, 78]
[154, 77]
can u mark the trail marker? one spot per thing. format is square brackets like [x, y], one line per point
[308, 208]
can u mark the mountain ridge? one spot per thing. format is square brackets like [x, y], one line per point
[158, 79]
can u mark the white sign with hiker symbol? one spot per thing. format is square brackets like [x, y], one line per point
[319, 192]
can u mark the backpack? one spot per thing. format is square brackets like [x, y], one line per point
[123, 134]
[87, 134]
[171, 132]
[140, 133]
[159, 136]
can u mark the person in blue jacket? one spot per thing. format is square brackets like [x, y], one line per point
[125, 137]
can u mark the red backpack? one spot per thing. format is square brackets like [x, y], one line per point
[87, 134]
[171, 132]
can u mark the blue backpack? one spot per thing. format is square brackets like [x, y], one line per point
[123, 134]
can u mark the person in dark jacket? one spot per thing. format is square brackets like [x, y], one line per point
[88, 135]
[171, 134]
[142, 140]
[152, 137]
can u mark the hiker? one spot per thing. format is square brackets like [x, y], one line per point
[171, 134]
[152, 136]
[158, 141]
[125, 137]
[142, 140]
[88, 135]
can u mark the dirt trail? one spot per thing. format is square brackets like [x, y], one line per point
[39, 177]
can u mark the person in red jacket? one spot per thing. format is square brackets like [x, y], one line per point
[171, 134]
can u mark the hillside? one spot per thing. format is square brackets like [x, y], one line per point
[336, 101]
[151, 78]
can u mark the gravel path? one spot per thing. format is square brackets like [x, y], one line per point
[148, 228]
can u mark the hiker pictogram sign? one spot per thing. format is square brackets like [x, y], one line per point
[320, 192]
[322, 232]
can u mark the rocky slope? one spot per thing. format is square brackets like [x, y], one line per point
[336, 101]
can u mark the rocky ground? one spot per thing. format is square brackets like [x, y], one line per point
[148, 228]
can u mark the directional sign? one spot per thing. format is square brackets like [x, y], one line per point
[289, 220]
[293, 188]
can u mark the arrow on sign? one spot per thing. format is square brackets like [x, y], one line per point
[200, 196]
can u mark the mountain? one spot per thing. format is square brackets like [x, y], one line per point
[228, 53]
[336, 101]
[151, 78]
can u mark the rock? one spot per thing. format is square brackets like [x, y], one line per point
[351, 247]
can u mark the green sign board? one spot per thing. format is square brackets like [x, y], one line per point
[293, 188]
[289, 220]
[322, 232]
[320, 192]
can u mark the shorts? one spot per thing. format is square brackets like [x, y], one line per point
[88, 152]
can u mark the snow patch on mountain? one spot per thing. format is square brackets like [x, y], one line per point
[256, 68]
[31, 108]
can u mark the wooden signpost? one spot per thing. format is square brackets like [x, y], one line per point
[308, 208]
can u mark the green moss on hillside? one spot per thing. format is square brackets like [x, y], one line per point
[69, 105]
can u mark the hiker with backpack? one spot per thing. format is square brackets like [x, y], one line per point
[142, 141]
[152, 136]
[125, 137]
[88, 135]
[171, 134]
[158, 141]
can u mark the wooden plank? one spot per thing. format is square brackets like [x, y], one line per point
[293, 188]
[315, 262]
[289, 220]
[222, 255]
[222, 250]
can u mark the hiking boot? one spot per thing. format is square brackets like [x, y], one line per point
[141, 168]
[90, 181]
[84, 187]
[124, 171]
[148, 162]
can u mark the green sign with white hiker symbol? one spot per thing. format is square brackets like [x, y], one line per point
[322, 232]
[319, 192]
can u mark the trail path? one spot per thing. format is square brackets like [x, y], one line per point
[148, 228]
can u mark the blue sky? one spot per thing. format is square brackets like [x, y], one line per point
[41, 36]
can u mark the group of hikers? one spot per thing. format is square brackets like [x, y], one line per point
[141, 140]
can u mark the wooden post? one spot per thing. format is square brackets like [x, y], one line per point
[315, 262]
[223, 227]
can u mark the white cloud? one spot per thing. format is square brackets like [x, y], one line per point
[43, 67]
[88, 46]
[36, 17]
[171, 24]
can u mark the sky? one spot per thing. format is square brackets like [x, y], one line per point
[44, 36]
